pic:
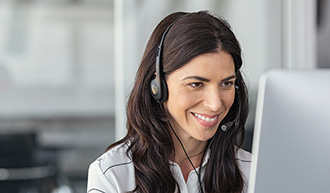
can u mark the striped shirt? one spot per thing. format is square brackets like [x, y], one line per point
[113, 172]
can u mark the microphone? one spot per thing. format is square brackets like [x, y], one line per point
[228, 125]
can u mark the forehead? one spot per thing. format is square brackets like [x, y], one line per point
[218, 64]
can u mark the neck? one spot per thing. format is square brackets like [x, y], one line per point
[187, 147]
[188, 157]
[194, 151]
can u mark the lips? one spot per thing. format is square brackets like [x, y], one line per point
[206, 120]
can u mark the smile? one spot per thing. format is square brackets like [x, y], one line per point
[208, 119]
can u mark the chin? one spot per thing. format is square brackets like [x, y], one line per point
[206, 137]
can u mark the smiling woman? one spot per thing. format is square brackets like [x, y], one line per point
[187, 87]
[198, 100]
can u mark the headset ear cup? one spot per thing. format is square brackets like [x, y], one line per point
[155, 90]
[164, 93]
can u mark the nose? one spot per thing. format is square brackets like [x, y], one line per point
[212, 99]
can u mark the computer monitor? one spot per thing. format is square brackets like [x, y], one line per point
[291, 142]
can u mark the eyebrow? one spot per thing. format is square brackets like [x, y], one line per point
[229, 78]
[207, 80]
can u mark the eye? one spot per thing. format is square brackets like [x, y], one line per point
[227, 84]
[196, 84]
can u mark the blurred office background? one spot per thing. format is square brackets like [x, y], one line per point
[67, 66]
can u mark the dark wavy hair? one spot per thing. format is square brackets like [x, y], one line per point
[148, 133]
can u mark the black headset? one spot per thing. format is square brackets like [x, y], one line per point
[158, 86]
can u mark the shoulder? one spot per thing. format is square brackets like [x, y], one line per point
[244, 162]
[113, 171]
[113, 158]
[243, 156]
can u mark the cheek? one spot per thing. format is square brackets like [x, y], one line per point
[231, 101]
[228, 100]
[179, 102]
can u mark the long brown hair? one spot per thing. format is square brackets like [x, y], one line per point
[150, 141]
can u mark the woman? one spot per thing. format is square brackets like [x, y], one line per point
[185, 115]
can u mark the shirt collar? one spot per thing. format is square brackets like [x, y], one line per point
[206, 157]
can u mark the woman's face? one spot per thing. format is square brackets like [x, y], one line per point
[200, 95]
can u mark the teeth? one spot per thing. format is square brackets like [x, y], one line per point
[205, 118]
